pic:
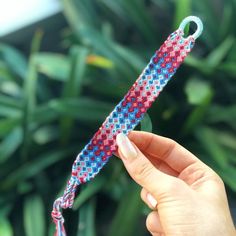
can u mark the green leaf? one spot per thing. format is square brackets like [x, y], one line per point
[10, 107]
[87, 219]
[215, 57]
[212, 18]
[34, 216]
[213, 60]
[227, 18]
[73, 86]
[5, 227]
[15, 59]
[5, 73]
[146, 123]
[48, 116]
[92, 37]
[116, 8]
[182, 10]
[128, 213]
[10, 144]
[10, 102]
[7, 125]
[30, 85]
[8, 112]
[231, 57]
[197, 91]
[32, 168]
[207, 138]
[11, 88]
[83, 108]
[54, 65]
[226, 114]
[229, 68]
[140, 18]
[99, 61]
[78, 64]
[227, 139]
[107, 48]
[90, 190]
[131, 57]
[45, 135]
[198, 64]
[6, 207]
[57, 66]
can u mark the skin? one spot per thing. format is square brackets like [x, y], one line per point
[187, 197]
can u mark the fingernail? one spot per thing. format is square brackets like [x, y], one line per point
[126, 147]
[152, 201]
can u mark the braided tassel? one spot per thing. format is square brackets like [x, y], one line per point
[127, 114]
[58, 220]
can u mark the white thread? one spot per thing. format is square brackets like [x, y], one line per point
[197, 21]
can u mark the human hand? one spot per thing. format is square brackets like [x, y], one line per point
[186, 196]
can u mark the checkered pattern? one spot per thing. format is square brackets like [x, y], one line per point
[130, 111]
[126, 115]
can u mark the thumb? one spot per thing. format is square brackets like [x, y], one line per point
[143, 172]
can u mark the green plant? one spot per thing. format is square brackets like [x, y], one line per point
[51, 104]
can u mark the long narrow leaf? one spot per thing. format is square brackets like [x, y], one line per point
[10, 143]
[127, 213]
[32, 168]
[73, 87]
[30, 94]
[5, 227]
[34, 216]
[87, 192]
[87, 219]
[182, 10]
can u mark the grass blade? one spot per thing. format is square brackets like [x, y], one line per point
[34, 167]
[15, 60]
[5, 227]
[54, 65]
[206, 137]
[10, 144]
[73, 87]
[30, 95]
[197, 91]
[87, 219]
[131, 205]
[215, 57]
[146, 123]
[34, 216]
[83, 109]
[182, 10]
[88, 191]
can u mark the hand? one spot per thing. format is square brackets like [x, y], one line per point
[186, 196]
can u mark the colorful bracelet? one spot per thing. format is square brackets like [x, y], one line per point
[127, 114]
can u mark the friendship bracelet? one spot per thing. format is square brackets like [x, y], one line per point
[127, 114]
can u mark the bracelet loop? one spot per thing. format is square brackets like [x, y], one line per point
[197, 21]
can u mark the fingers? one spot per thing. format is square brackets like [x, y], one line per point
[167, 150]
[148, 199]
[161, 165]
[153, 221]
[153, 224]
[143, 172]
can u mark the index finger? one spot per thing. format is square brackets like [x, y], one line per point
[165, 149]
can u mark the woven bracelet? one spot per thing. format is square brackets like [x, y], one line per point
[127, 114]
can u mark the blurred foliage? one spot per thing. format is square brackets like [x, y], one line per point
[51, 104]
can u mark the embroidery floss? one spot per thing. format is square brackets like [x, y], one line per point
[127, 114]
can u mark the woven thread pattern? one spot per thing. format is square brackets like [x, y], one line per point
[125, 116]
[130, 111]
